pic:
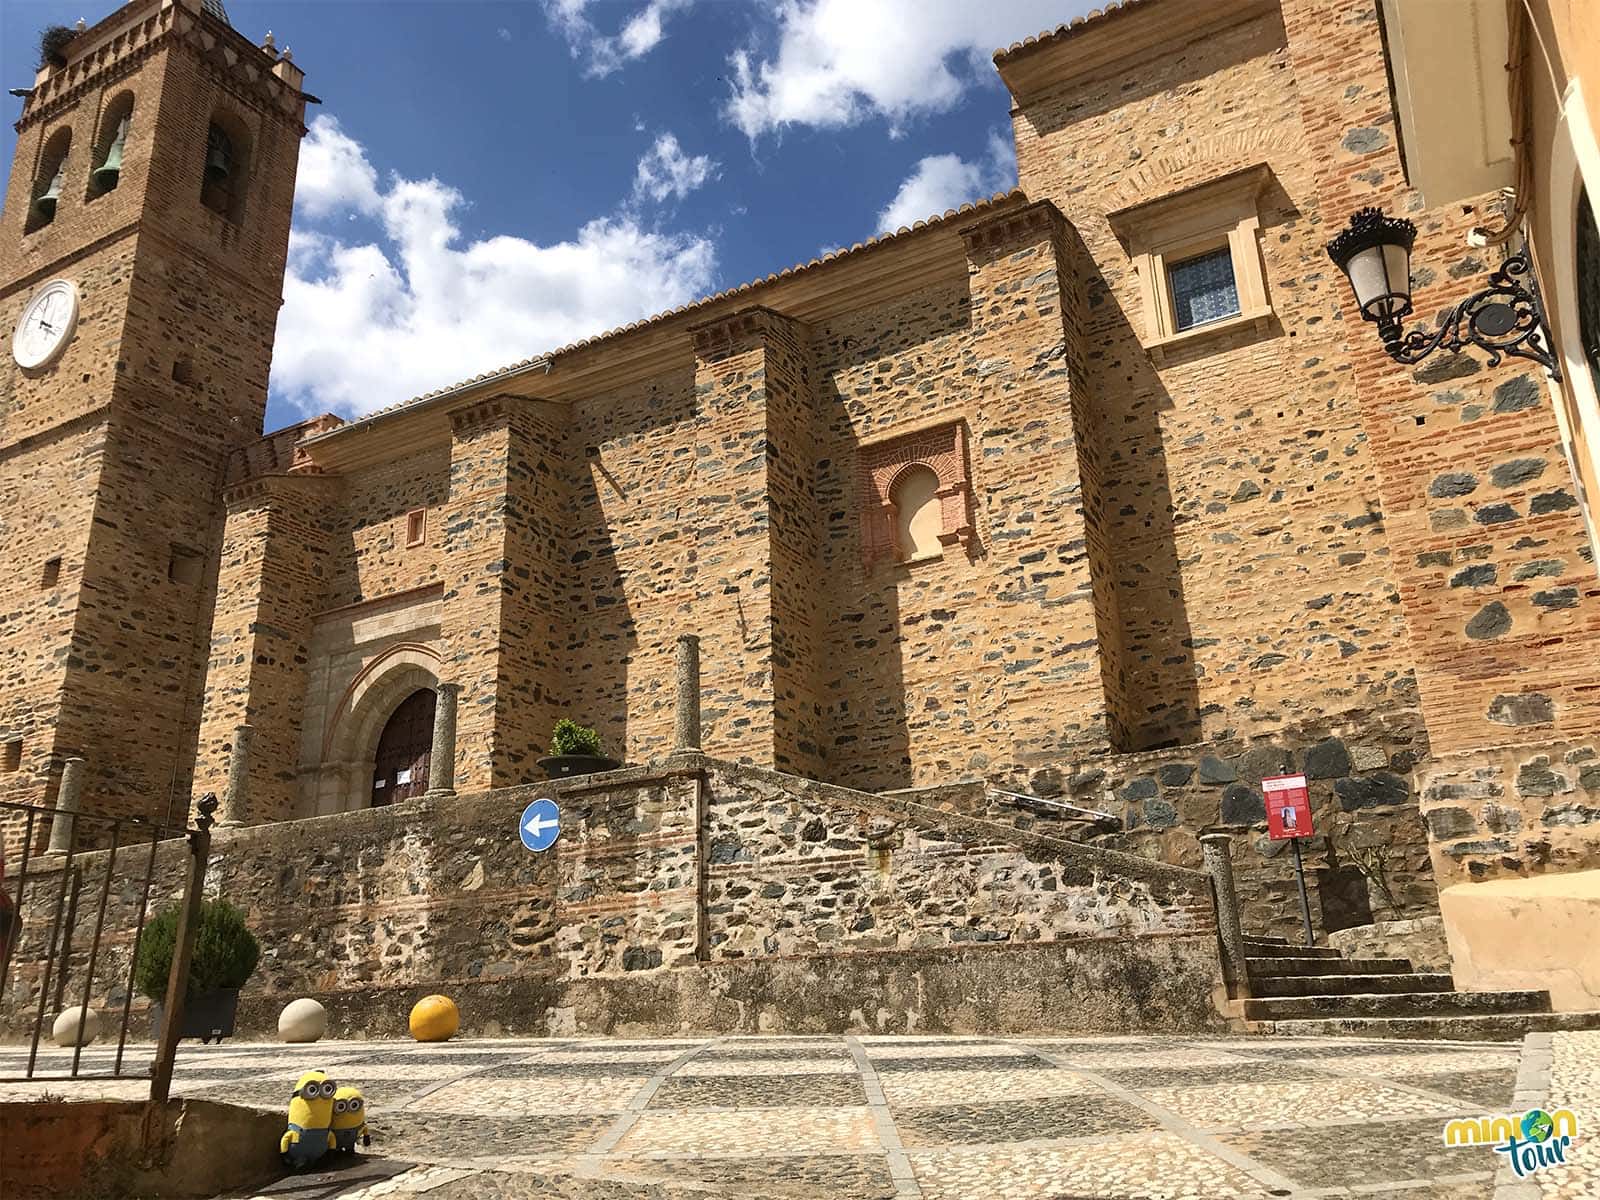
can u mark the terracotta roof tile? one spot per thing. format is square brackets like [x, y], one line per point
[1076, 25]
[703, 302]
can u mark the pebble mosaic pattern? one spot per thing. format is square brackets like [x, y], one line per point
[960, 1118]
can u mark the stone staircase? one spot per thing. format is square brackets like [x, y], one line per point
[1313, 991]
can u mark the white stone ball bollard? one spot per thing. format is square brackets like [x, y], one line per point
[302, 1020]
[65, 1031]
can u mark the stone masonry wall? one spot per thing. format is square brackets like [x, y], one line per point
[1513, 810]
[1370, 856]
[439, 896]
[1253, 574]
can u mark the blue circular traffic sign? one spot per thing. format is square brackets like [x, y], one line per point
[540, 825]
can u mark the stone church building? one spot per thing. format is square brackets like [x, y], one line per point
[1099, 490]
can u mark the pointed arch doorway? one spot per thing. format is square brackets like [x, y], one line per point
[400, 766]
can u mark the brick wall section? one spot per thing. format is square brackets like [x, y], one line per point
[503, 590]
[271, 583]
[373, 559]
[795, 520]
[1489, 546]
[160, 279]
[1253, 577]
[733, 523]
[630, 556]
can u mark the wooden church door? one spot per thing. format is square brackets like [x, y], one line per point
[401, 768]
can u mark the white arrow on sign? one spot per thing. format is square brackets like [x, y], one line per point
[537, 825]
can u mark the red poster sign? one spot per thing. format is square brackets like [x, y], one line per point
[1288, 807]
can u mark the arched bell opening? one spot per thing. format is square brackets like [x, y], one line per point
[400, 762]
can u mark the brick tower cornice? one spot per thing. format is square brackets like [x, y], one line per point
[117, 46]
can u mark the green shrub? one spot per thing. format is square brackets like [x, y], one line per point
[225, 951]
[571, 738]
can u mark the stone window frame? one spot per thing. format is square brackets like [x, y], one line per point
[11, 755]
[416, 527]
[941, 447]
[1221, 212]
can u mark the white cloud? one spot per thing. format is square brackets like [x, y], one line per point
[945, 181]
[605, 53]
[365, 324]
[334, 173]
[841, 61]
[665, 170]
[503, 34]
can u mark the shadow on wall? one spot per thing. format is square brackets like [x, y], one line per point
[630, 517]
[1163, 693]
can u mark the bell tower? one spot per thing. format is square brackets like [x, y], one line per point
[142, 250]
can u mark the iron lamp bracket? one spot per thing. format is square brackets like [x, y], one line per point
[1505, 320]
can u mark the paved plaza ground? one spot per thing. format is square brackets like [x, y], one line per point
[947, 1118]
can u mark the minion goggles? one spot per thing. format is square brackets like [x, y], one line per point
[317, 1090]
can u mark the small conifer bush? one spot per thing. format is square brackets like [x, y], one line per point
[571, 738]
[225, 951]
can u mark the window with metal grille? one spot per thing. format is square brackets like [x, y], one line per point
[1589, 285]
[1203, 289]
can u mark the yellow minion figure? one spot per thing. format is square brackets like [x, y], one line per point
[350, 1119]
[310, 1132]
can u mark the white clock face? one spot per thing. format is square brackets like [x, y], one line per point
[46, 324]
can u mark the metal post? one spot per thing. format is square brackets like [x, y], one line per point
[1305, 903]
[686, 732]
[64, 953]
[94, 946]
[1216, 852]
[236, 800]
[182, 953]
[442, 755]
[50, 958]
[66, 806]
[133, 959]
[9, 946]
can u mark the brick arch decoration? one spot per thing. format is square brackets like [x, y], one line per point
[940, 448]
[351, 744]
[1202, 160]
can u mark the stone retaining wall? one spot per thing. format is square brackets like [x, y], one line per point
[663, 871]
[1363, 806]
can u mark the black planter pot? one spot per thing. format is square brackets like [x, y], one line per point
[206, 1016]
[565, 766]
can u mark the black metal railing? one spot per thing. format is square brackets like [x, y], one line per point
[90, 856]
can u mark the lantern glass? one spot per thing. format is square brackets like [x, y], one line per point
[1381, 277]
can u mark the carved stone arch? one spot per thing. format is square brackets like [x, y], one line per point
[348, 751]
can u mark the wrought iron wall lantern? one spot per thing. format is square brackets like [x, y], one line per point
[1506, 319]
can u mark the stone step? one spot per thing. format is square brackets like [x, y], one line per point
[1307, 965]
[1496, 1027]
[1251, 940]
[1397, 1004]
[1277, 950]
[1268, 986]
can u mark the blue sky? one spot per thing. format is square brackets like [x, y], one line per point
[486, 180]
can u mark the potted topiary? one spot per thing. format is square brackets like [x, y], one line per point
[225, 953]
[575, 750]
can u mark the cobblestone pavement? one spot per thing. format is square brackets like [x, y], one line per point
[1575, 1084]
[946, 1118]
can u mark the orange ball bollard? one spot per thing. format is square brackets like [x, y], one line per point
[435, 1019]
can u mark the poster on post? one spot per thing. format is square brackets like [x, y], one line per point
[1288, 807]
